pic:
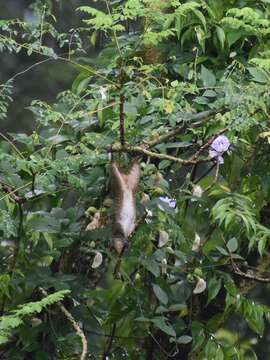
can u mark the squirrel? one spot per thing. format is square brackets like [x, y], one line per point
[124, 187]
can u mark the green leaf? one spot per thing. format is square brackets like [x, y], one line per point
[209, 93]
[152, 266]
[254, 316]
[222, 251]
[215, 322]
[261, 246]
[177, 307]
[258, 75]
[219, 354]
[232, 244]
[230, 287]
[213, 286]
[164, 164]
[161, 309]
[221, 36]
[81, 82]
[185, 339]
[208, 78]
[210, 349]
[48, 239]
[160, 323]
[160, 294]
[197, 331]
[43, 222]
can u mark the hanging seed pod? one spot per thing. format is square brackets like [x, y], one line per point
[196, 243]
[200, 286]
[163, 238]
[98, 259]
[95, 223]
[164, 266]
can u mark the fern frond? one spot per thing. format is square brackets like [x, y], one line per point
[15, 319]
[248, 20]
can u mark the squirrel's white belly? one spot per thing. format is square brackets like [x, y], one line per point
[127, 215]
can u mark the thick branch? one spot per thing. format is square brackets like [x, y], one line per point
[143, 151]
[249, 276]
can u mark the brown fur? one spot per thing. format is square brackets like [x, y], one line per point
[124, 185]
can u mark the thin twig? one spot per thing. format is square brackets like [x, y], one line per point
[70, 43]
[12, 145]
[70, 111]
[215, 178]
[41, 26]
[18, 240]
[57, 57]
[205, 173]
[26, 70]
[115, 336]
[206, 145]
[122, 120]
[74, 324]
[11, 193]
[108, 350]
[113, 30]
[16, 251]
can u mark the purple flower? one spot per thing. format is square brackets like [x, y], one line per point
[220, 145]
[170, 202]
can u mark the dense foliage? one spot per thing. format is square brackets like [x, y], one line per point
[184, 87]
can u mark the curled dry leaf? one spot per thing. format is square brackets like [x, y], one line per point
[159, 178]
[163, 238]
[95, 223]
[200, 286]
[145, 199]
[35, 321]
[196, 243]
[97, 260]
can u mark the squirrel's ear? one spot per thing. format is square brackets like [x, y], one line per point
[133, 176]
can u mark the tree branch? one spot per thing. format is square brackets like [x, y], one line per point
[11, 192]
[206, 145]
[122, 120]
[195, 120]
[143, 151]
[108, 350]
[74, 324]
[17, 243]
[249, 276]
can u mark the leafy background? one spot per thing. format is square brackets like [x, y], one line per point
[193, 68]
